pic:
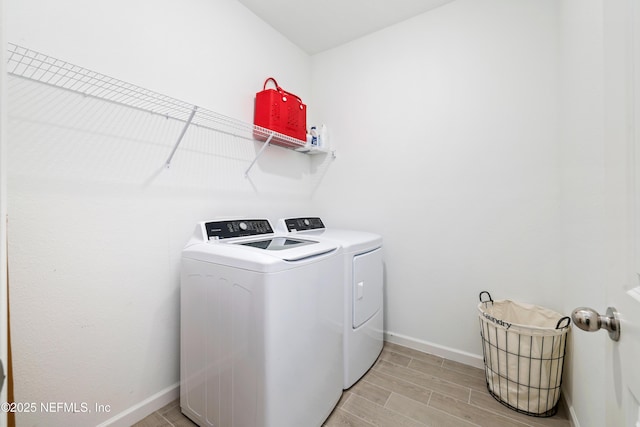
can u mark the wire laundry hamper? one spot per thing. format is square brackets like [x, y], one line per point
[523, 347]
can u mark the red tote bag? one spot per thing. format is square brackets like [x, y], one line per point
[282, 112]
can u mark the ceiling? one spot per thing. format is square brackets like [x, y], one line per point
[318, 25]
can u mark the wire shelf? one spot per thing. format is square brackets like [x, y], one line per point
[32, 65]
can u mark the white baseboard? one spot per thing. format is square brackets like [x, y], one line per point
[140, 410]
[439, 350]
[573, 419]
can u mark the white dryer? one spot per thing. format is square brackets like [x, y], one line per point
[261, 327]
[363, 278]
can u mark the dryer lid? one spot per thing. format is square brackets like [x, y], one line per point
[352, 241]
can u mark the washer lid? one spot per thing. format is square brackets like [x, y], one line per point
[256, 248]
[287, 249]
[277, 243]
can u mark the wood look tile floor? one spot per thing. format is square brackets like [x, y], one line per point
[408, 388]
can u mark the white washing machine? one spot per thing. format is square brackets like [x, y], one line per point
[363, 278]
[261, 327]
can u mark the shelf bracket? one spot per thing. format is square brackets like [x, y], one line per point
[184, 130]
[266, 143]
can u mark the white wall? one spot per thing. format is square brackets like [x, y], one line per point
[96, 223]
[446, 128]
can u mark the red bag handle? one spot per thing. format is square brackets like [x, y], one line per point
[279, 89]
[264, 87]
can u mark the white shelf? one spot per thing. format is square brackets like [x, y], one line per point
[29, 64]
[312, 150]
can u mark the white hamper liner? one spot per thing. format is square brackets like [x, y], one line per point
[523, 347]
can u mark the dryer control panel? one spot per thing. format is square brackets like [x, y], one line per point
[237, 228]
[302, 224]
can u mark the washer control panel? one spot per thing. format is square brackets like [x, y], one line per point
[237, 228]
[302, 224]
